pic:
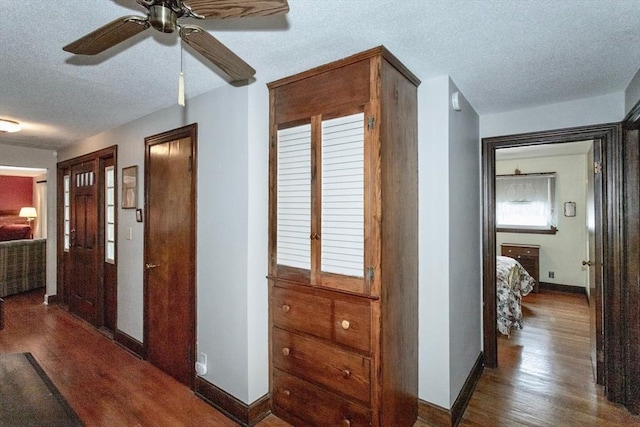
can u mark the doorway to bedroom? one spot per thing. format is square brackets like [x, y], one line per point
[546, 210]
[603, 139]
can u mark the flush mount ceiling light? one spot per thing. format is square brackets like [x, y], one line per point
[9, 126]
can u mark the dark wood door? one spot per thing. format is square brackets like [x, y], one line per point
[170, 252]
[84, 251]
[594, 263]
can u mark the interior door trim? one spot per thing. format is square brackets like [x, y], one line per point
[609, 138]
[631, 130]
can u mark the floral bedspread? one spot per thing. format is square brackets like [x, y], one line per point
[512, 283]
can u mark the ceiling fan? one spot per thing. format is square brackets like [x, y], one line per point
[163, 15]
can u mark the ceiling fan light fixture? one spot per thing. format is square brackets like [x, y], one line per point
[163, 18]
[9, 126]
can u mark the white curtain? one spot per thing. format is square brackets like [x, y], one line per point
[526, 200]
[40, 224]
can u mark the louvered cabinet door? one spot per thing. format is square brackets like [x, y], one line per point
[342, 203]
[320, 203]
[293, 247]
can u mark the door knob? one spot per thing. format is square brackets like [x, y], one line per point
[588, 263]
[149, 266]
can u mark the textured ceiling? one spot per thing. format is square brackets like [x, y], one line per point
[503, 55]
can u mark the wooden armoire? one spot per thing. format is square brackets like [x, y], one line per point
[343, 244]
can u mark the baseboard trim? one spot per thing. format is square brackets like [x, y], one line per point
[439, 416]
[557, 287]
[460, 405]
[51, 299]
[432, 414]
[238, 411]
[129, 343]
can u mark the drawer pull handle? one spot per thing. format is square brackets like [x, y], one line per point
[285, 308]
[346, 423]
[286, 351]
[345, 324]
[286, 393]
[346, 374]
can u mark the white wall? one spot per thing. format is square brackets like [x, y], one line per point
[46, 159]
[433, 250]
[449, 245]
[582, 112]
[258, 319]
[464, 243]
[564, 251]
[223, 238]
[632, 93]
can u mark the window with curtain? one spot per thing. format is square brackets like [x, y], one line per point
[526, 203]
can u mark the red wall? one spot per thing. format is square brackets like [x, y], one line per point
[15, 192]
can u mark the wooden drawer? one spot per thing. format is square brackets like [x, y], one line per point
[301, 312]
[347, 323]
[352, 324]
[519, 251]
[317, 407]
[341, 371]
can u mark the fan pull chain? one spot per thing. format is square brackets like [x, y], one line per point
[181, 81]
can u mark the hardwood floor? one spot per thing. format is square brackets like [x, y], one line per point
[103, 383]
[544, 375]
[544, 378]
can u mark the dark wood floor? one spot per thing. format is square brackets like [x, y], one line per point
[544, 378]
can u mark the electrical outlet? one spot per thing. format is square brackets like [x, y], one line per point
[551, 275]
[201, 364]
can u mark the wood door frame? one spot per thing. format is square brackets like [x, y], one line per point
[188, 131]
[631, 300]
[102, 237]
[609, 138]
[62, 258]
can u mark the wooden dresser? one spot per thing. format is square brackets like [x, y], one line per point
[343, 244]
[528, 256]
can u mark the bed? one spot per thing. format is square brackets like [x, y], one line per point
[512, 283]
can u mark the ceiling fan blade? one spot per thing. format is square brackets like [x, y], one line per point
[108, 35]
[237, 8]
[216, 52]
